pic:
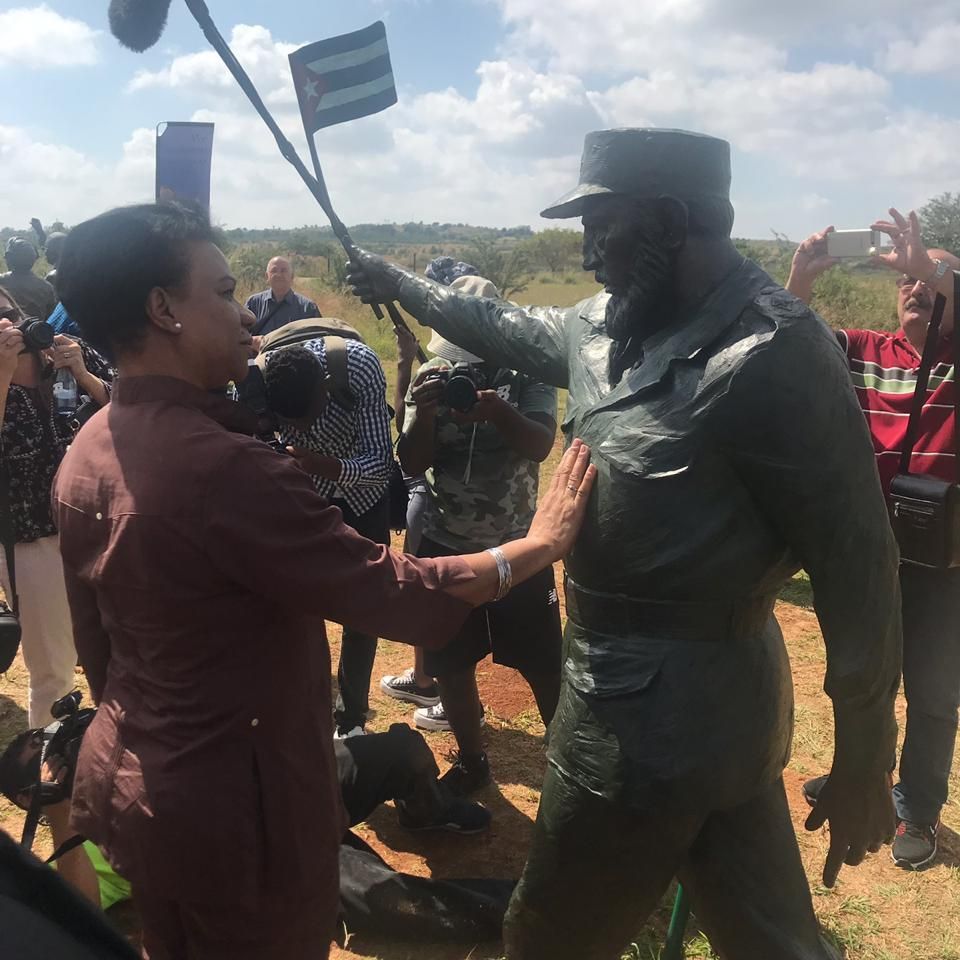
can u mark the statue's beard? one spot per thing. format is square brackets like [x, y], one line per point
[646, 303]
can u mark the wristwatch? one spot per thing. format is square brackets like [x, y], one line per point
[938, 274]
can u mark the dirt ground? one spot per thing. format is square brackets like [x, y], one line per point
[876, 912]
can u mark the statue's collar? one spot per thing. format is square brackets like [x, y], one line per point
[685, 339]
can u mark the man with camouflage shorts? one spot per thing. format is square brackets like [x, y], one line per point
[482, 470]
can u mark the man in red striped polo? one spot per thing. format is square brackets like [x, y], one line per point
[883, 367]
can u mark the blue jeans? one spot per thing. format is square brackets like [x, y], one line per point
[931, 685]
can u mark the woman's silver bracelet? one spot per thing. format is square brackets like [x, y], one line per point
[504, 572]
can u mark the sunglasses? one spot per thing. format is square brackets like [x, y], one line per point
[908, 281]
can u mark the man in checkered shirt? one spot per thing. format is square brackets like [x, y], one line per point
[342, 439]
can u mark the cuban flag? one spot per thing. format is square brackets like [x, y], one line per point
[343, 78]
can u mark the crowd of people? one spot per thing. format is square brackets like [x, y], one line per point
[189, 567]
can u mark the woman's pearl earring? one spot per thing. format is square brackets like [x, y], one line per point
[178, 325]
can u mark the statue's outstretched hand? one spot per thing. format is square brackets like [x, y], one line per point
[373, 279]
[859, 810]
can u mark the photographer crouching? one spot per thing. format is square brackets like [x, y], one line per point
[33, 440]
[339, 433]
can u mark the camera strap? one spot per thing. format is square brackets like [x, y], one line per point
[923, 377]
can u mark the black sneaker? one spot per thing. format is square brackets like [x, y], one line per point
[915, 844]
[460, 816]
[403, 686]
[467, 774]
[812, 788]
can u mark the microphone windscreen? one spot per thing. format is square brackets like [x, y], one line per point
[138, 24]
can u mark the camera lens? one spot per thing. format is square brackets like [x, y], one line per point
[37, 335]
[460, 393]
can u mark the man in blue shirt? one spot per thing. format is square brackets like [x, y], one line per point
[279, 303]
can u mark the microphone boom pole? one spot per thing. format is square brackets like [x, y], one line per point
[315, 183]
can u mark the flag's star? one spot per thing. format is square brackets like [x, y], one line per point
[313, 89]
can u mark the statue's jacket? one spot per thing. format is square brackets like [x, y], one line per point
[733, 455]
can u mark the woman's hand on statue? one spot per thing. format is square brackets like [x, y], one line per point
[562, 508]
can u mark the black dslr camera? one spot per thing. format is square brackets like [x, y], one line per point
[37, 335]
[252, 393]
[23, 779]
[460, 385]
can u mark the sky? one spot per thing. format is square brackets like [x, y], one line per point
[835, 109]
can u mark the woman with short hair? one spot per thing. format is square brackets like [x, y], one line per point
[200, 566]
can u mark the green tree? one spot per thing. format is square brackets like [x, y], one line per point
[940, 220]
[507, 267]
[249, 265]
[556, 250]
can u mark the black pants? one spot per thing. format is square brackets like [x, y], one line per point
[931, 685]
[597, 870]
[396, 765]
[358, 650]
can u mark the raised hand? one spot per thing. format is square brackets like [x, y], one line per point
[909, 255]
[11, 346]
[809, 261]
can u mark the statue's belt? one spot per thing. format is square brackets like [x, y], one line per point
[709, 621]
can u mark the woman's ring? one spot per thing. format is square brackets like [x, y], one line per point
[572, 487]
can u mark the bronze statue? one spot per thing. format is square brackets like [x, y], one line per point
[731, 452]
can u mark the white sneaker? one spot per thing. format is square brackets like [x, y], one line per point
[434, 718]
[339, 734]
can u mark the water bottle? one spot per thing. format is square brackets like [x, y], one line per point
[65, 393]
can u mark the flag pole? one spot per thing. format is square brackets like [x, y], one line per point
[395, 316]
[315, 184]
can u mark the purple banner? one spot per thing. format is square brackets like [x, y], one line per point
[184, 153]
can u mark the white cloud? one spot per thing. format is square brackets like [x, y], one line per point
[40, 38]
[933, 52]
[54, 181]
[204, 76]
[498, 155]
[780, 112]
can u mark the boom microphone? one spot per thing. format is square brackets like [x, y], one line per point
[137, 24]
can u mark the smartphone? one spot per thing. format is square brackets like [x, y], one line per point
[853, 243]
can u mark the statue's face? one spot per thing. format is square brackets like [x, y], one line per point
[623, 244]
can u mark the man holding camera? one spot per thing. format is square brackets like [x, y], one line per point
[341, 437]
[884, 368]
[479, 433]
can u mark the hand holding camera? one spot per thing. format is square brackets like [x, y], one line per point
[909, 255]
[458, 387]
[11, 346]
[488, 407]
